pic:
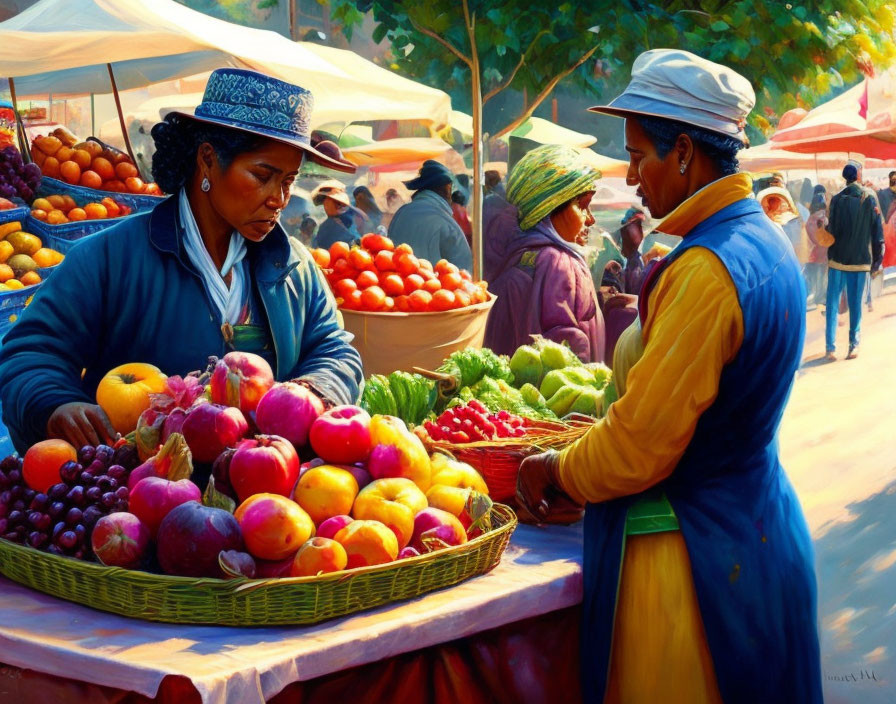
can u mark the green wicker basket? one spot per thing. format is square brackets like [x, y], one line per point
[255, 602]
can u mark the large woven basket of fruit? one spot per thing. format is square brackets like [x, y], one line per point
[404, 312]
[372, 519]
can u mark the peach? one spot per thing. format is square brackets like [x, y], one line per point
[367, 543]
[317, 556]
[326, 491]
[450, 472]
[393, 502]
[273, 526]
[330, 527]
[451, 499]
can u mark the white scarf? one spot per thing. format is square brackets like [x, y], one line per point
[228, 301]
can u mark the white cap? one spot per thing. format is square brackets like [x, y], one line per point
[678, 85]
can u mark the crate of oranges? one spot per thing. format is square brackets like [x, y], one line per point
[62, 220]
[404, 311]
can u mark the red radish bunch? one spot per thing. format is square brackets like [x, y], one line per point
[472, 422]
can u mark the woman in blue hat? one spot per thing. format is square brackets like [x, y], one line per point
[207, 271]
[698, 564]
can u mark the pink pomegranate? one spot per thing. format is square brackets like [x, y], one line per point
[432, 527]
[211, 428]
[288, 410]
[266, 465]
[192, 536]
[120, 540]
[153, 498]
[240, 379]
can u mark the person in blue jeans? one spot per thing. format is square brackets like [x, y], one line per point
[855, 222]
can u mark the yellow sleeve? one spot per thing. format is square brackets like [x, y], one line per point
[694, 328]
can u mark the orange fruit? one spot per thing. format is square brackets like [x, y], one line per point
[77, 214]
[126, 170]
[343, 270]
[43, 461]
[29, 278]
[39, 214]
[134, 184]
[38, 157]
[373, 298]
[56, 202]
[14, 284]
[339, 250]
[112, 207]
[91, 179]
[361, 259]
[42, 204]
[366, 279]
[116, 186]
[6, 273]
[393, 285]
[6, 251]
[70, 171]
[152, 189]
[374, 242]
[82, 158]
[56, 217]
[48, 145]
[450, 280]
[426, 265]
[50, 167]
[67, 204]
[64, 154]
[103, 167]
[419, 300]
[44, 257]
[124, 393]
[443, 266]
[344, 287]
[412, 282]
[403, 303]
[432, 285]
[465, 275]
[403, 249]
[388, 304]
[443, 300]
[95, 149]
[463, 298]
[384, 260]
[321, 257]
[407, 264]
[96, 211]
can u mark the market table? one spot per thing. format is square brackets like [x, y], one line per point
[540, 573]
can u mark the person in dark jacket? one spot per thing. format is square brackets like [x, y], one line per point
[366, 203]
[207, 271]
[854, 221]
[887, 196]
[544, 286]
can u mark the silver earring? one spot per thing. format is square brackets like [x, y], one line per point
[206, 186]
[682, 168]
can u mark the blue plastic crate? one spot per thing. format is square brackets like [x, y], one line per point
[20, 214]
[63, 237]
[12, 303]
[83, 195]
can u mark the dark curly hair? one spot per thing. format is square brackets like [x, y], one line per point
[718, 147]
[177, 140]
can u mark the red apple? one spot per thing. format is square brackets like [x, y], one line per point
[120, 540]
[240, 379]
[154, 498]
[288, 410]
[435, 529]
[210, 428]
[266, 465]
[342, 435]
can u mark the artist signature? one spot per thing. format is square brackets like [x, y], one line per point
[862, 675]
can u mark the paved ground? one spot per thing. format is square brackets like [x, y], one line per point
[838, 445]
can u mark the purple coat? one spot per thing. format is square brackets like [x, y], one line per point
[543, 288]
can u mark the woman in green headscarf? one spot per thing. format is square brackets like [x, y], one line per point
[544, 286]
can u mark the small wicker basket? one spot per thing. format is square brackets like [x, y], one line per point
[255, 602]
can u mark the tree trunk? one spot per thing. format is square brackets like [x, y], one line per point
[476, 88]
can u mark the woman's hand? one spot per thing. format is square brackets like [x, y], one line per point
[81, 424]
[538, 493]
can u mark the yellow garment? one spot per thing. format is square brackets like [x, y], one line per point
[694, 327]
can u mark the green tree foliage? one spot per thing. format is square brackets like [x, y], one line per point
[795, 53]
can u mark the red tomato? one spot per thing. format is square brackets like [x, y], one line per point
[403, 303]
[443, 300]
[465, 275]
[463, 298]
[450, 280]
[407, 264]
[432, 285]
[352, 301]
[413, 282]
[443, 266]
[389, 304]
[383, 261]
[419, 300]
[344, 287]
[374, 242]
[339, 250]
[373, 298]
[360, 259]
[393, 285]
[403, 249]
[426, 264]
[366, 279]
[343, 270]
[322, 257]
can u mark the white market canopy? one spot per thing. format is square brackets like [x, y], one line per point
[535, 129]
[62, 47]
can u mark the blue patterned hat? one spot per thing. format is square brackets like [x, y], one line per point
[253, 102]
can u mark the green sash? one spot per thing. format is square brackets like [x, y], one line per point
[652, 513]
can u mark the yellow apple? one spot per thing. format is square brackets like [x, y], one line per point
[124, 393]
[393, 501]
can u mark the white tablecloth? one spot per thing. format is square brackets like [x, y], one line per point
[540, 572]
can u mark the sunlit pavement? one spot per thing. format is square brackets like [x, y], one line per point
[838, 445]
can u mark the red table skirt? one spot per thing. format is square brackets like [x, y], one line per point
[535, 660]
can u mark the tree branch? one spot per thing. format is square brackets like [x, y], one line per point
[527, 113]
[444, 42]
[503, 84]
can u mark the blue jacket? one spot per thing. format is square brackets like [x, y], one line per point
[334, 230]
[130, 294]
[427, 224]
[751, 555]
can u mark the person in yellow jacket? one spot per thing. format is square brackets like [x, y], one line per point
[698, 566]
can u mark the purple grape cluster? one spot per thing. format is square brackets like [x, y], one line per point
[17, 179]
[61, 520]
